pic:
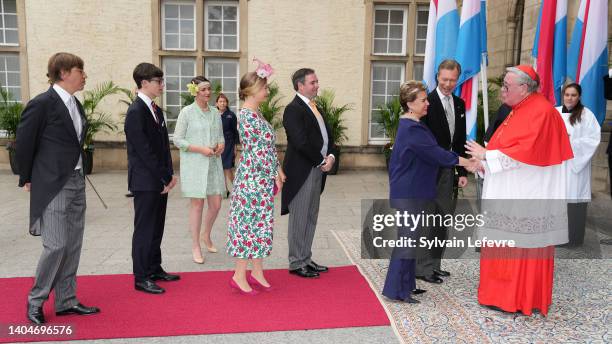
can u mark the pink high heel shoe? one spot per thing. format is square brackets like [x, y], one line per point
[235, 285]
[255, 282]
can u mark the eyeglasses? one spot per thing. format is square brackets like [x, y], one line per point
[506, 86]
[158, 80]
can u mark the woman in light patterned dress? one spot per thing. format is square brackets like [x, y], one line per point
[199, 136]
[251, 216]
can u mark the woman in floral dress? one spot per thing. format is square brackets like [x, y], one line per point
[251, 216]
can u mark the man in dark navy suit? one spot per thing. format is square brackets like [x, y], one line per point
[150, 177]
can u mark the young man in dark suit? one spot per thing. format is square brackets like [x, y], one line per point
[309, 155]
[446, 120]
[50, 157]
[150, 177]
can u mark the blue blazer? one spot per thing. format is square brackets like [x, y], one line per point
[148, 149]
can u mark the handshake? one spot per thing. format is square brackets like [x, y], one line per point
[478, 153]
[474, 165]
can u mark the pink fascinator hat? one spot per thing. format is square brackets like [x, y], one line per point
[263, 70]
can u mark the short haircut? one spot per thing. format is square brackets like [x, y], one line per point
[409, 91]
[300, 76]
[62, 62]
[146, 71]
[523, 78]
[250, 84]
[449, 64]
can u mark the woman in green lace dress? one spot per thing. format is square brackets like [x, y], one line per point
[251, 216]
[199, 136]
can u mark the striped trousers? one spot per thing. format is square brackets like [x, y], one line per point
[303, 214]
[62, 224]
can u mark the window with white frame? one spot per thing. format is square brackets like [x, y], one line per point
[224, 72]
[386, 81]
[8, 23]
[221, 25]
[178, 25]
[10, 76]
[390, 30]
[178, 72]
[417, 71]
[422, 16]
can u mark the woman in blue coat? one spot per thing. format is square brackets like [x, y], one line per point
[413, 169]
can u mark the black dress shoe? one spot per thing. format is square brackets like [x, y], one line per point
[148, 286]
[411, 300]
[418, 291]
[164, 276]
[79, 309]
[35, 314]
[316, 267]
[431, 279]
[304, 272]
[441, 273]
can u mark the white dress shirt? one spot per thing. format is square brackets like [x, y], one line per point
[75, 117]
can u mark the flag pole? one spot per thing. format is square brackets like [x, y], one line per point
[485, 93]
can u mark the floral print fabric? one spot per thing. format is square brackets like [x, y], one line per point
[251, 216]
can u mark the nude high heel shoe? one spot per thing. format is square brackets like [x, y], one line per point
[197, 256]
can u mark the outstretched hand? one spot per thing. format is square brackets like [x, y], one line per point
[475, 150]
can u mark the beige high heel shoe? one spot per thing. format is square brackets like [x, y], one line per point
[197, 256]
[211, 248]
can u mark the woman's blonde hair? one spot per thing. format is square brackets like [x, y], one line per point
[409, 91]
[250, 84]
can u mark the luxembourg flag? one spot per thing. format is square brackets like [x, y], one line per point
[442, 28]
[549, 48]
[588, 54]
[470, 55]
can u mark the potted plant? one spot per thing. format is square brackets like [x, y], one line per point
[270, 108]
[10, 115]
[333, 117]
[97, 121]
[390, 115]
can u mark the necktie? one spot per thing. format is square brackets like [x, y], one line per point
[450, 116]
[313, 107]
[154, 106]
[75, 115]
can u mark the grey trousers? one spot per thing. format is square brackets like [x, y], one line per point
[62, 225]
[430, 259]
[303, 215]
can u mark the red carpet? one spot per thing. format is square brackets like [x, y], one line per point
[202, 303]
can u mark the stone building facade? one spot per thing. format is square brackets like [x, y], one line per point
[361, 49]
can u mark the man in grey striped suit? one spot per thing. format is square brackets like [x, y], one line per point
[49, 155]
[309, 156]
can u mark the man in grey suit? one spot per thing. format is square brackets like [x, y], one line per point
[50, 158]
[309, 156]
